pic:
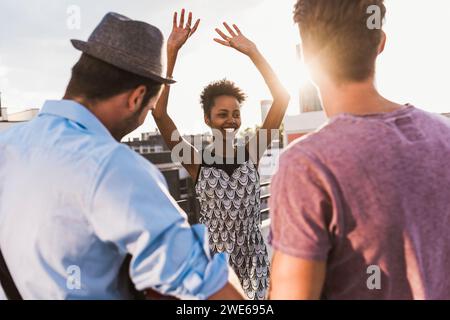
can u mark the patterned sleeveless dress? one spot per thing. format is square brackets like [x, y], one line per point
[230, 208]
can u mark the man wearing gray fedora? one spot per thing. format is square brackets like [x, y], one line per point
[74, 202]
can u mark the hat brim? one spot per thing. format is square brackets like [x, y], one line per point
[118, 59]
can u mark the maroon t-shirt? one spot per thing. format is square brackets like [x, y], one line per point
[367, 191]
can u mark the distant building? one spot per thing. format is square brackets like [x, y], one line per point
[265, 107]
[22, 116]
[299, 125]
[310, 118]
[311, 115]
[150, 142]
[8, 120]
[153, 142]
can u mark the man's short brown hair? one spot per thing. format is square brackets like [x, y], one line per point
[337, 34]
[96, 80]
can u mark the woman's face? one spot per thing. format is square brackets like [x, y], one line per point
[225, 114]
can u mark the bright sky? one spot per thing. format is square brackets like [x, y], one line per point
[36, 55]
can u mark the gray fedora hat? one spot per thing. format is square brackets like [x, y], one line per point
[130, 45]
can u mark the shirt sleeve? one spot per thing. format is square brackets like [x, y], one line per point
[301, 209]
[131, 207]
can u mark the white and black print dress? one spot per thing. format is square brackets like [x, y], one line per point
[230, 208]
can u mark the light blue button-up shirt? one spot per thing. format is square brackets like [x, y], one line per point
[74, 202]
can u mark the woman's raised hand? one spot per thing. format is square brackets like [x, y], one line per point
[181, 31]
[235, 39]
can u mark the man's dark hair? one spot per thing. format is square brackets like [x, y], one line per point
[96, 80]
[338, 34]
[219, 88]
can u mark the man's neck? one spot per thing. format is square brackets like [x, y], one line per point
[358, 98]
[102, 116]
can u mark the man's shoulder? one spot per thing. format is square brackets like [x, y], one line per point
[57, 138]
[311, 143]
[11, 131]
[434, 118]
[344, 135]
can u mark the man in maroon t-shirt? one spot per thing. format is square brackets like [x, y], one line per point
[360, 208]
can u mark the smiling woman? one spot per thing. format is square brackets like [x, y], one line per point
[228, 187]
[221, 102]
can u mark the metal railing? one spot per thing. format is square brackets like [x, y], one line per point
[265, 211]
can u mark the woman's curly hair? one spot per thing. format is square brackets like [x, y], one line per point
[219, 88]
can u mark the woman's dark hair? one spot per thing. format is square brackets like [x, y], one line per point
[96, 80]
[219, 88]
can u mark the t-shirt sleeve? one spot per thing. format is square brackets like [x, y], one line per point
[301, 209]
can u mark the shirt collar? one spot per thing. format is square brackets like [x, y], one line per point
[76, 112]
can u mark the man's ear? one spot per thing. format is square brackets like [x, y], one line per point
[136, 97]
[382, 42]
